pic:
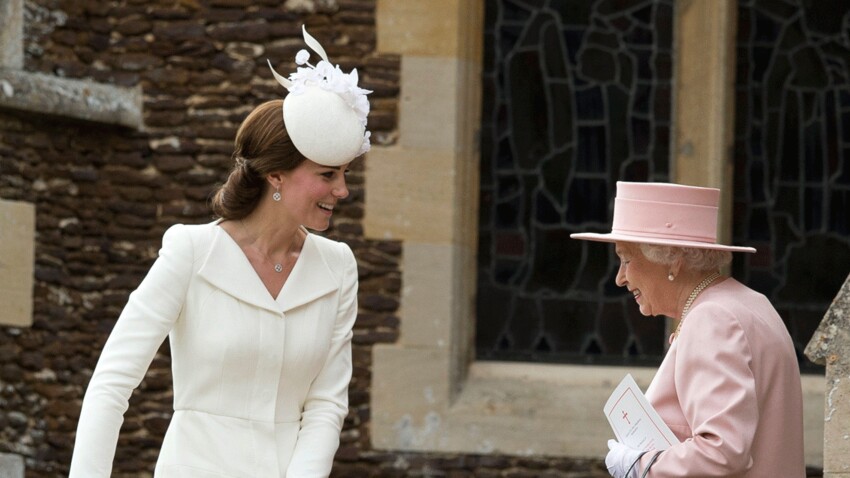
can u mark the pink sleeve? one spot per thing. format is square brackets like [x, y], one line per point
[717, 394]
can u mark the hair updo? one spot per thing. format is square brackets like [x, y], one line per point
[262, 147]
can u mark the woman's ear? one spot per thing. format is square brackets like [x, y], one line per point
[275, 180]
[676, 266]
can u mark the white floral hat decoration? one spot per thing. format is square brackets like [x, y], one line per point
[325, 111]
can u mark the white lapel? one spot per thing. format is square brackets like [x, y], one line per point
[310, 279]
[227, 268]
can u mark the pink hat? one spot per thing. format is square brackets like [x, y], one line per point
[665, 214]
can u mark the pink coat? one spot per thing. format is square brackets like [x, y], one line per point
[729, 388]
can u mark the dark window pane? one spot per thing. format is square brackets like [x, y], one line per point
[578, 96]
[792, 184]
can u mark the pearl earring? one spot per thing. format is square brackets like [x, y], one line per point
[670, 277]
[276, 196]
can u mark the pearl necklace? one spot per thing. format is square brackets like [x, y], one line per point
[699, 288]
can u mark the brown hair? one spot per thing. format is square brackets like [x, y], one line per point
[262, 147]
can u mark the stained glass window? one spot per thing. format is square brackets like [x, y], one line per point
[792, 155]
[576, 95]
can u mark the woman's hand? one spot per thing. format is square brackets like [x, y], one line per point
[622, 460]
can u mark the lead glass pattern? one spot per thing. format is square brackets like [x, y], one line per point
[792, 156]
[576, 95]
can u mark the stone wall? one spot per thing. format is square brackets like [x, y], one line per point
[105, 194]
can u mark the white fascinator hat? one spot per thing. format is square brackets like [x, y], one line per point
[325, 111]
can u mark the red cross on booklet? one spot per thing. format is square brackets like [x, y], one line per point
[634, 421]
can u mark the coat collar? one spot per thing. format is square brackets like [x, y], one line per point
[227, 268]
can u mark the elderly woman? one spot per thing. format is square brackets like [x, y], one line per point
[729, 386]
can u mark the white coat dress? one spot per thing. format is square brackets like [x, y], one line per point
[260, 383]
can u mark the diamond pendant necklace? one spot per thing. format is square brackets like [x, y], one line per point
[691, 298]
[278, 267]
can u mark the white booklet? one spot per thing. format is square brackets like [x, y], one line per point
[634, 421]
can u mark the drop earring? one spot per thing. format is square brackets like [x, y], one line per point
[670, 277]
[276, 195]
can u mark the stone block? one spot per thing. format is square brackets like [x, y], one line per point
[428, 116]
[11, 466]
[836, 440]
[410, 195]
[12, 34]
[17, 246]
[257, 31]
[411, 28]
[408, 407]
[80, 99]
[813, 424]
[428, 295]
[830, 346]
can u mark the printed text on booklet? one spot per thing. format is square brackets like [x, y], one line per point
[634, 421]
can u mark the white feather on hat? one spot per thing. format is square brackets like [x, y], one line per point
[325, 111]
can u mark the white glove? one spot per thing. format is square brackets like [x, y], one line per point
[622, 460]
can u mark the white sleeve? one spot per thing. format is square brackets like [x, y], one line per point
[327, 400]
[143, 325]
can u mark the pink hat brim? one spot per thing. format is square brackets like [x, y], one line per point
[619, 237]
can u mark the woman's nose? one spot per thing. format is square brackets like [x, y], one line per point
[620, 279]
[341, 190]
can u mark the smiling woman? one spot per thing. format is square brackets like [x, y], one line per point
[310, 192]
[729, 387]
[644, 279]
[259, 311]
